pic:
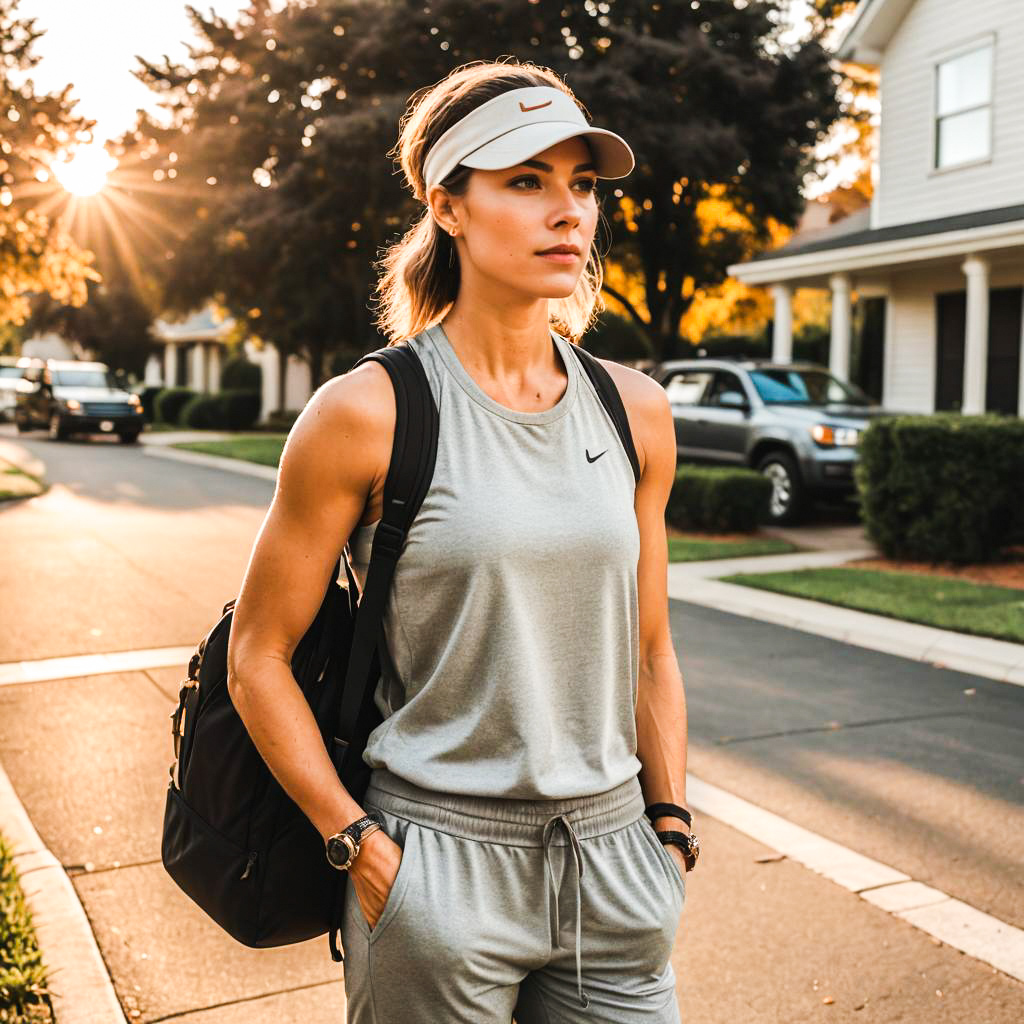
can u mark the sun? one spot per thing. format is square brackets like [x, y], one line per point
[86, 172]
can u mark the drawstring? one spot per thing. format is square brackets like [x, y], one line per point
[578, 859]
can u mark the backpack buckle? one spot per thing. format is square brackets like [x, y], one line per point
[391, 539]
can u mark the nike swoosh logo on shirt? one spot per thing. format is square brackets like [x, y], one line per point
[596, 457]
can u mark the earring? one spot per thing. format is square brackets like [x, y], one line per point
[451, 251]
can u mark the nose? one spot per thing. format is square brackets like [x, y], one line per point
[566, 208]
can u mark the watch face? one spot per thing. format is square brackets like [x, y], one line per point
[337, 852]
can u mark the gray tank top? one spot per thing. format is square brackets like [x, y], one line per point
[510, 660]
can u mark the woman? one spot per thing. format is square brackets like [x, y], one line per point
[533, 703]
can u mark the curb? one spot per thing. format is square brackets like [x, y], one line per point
[975, 655]
[80, 987]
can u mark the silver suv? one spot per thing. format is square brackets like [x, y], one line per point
[794, 422]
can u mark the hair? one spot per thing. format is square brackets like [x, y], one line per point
[419, 274]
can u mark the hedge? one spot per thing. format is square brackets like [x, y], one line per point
[239, 374]
[169, 403]
[718, 498]
[943, 487]
[226, 410]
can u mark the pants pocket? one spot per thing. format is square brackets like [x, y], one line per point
[405, 834]
[676, 876]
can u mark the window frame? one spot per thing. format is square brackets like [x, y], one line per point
[986, 41]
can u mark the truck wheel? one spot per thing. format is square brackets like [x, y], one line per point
[22, 425]
[128, 438]
[788, 500]
[56, 430]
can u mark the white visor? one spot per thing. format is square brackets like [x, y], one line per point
[517, 125]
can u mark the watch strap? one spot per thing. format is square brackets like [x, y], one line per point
[667, 810]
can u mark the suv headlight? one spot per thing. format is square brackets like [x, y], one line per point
[828, 436]
[72, 405]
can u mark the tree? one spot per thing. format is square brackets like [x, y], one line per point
[281, 124]
[36, 255]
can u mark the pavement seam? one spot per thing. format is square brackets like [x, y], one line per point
[958, 924]
[242, 1001]
[80, 986]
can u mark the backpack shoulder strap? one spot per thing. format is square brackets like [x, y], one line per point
[413, 454]
[612, 402]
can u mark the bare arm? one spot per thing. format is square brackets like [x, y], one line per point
[332, 469]
[661, 701]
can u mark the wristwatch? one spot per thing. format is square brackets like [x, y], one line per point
[343, 847]
[686, 841]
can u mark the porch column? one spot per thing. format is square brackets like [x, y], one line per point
[198, 367]
[782, 333]
[170, 365]
[213, 368]
[975, 269]
[839, 349]
[270, 361]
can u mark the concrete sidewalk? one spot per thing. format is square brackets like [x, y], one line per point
[92, 773]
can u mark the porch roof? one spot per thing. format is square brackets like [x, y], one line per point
[847, 245]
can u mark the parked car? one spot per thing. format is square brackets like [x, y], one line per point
[794, 422]
[10, 374]
[75, 397]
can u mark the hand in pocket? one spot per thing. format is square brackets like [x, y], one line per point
[374, 872]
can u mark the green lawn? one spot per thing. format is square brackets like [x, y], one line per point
[698, 549]
[15, 483]
[23, 995]
[977, 608]
[264, 449]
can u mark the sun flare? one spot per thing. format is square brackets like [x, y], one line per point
[85, 173]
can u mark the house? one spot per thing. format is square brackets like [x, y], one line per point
[192, 356]
[933, 269]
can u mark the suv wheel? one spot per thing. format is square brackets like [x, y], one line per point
[788, 497]
[56, 428]
[127, 438]
[21, 424]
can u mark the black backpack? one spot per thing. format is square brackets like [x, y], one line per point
[233, 840]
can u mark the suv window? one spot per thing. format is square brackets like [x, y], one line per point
[11, 371]
[724, 381]
[804, 387]
[687, 386]
[84, 378]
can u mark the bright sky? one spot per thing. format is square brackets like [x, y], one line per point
[93, 44]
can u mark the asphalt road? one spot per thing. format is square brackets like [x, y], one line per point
[913, 765]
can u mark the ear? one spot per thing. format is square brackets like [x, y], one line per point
[441, 209]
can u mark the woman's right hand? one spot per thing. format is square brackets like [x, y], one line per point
[373, 873]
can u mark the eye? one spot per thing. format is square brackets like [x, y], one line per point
[525, 177]
[590, 184]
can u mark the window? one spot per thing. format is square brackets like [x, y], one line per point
[963, 107]
[687, 387]
[724, 382]
[804, 387]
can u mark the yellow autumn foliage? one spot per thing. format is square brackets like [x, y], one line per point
[39, 257]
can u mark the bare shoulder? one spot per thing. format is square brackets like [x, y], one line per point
[647, 408]
[344, 434]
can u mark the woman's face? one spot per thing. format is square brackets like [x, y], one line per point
[507, 218]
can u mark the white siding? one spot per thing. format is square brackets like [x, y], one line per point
[908, 188]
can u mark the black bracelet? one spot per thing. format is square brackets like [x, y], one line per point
[663, 810]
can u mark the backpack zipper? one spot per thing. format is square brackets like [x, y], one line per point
[248, 866]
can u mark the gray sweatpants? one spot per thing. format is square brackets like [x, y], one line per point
[555, 911]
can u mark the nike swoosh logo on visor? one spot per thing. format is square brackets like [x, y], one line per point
[546, 103]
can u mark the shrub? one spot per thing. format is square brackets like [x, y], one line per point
[226, 410]
[147, 396]
[239, 374]
[944, 487]
[169, 402]
[718, 498]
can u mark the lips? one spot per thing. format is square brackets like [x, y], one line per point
[567, 249]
